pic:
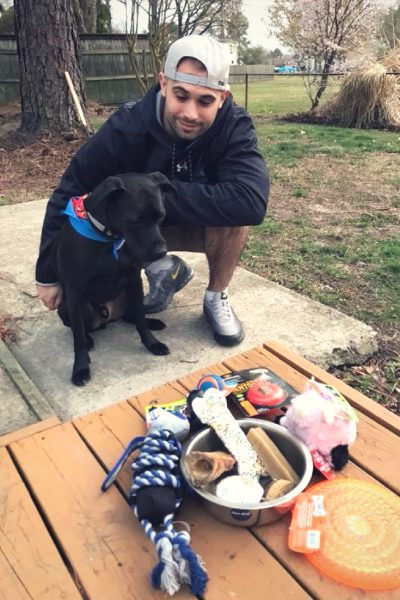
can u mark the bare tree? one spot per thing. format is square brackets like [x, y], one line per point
[389, 29]
[79, 18]
[322, 30]
[109, 23]
[166, 20]
[48, 46]
[198, 16]
[87, 12]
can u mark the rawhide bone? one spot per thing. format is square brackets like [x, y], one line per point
[271, 457]
[278, 488]
[212, 410]
[205, 467]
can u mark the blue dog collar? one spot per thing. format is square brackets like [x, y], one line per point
[80, 223]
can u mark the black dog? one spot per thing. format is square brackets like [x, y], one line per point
[98, 257]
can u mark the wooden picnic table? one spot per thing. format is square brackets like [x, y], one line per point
[61, 538]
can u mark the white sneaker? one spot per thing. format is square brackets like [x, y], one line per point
[227, 328]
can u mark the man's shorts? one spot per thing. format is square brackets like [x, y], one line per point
[184, 238]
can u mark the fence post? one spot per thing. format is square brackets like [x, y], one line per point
[246, 91]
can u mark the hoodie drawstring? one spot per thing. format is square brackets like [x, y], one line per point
[182, 165]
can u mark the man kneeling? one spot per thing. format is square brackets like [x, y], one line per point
[188, 128]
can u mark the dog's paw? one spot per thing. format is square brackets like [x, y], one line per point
[81, 377]
[159, 349]
[155, 324]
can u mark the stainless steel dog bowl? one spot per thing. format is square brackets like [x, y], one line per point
[244, 515]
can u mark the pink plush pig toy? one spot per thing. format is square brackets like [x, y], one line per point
[324, 420]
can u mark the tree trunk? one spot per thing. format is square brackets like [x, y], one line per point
[89, 11]
[79, 20]
[323, 83]
[48, 46]
[109, 19]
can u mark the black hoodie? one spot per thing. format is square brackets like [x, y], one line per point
[220, 177]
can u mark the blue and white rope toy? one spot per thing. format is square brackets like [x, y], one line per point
[155, 496]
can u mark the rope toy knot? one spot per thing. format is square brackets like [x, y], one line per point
[155, 495]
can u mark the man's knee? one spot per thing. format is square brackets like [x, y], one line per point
[232, 237]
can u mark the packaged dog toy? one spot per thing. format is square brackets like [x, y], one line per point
[254, 392]
[258, 392]
[324, 420]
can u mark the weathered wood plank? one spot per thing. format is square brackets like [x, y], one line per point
[98, 532]
[30, 565]
[14, 436]
[115, 427]
[238, 566]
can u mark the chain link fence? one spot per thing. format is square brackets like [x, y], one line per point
[281, 94]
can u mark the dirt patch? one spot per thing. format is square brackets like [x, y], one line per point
[31, 166]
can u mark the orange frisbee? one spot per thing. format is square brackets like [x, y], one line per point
[360, 541]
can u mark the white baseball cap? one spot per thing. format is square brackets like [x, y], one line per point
[213, 55]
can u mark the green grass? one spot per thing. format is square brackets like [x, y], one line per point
[97, 122]
[286, 144]
[395, 180]
[279, 95]
[299, 193]
[311, 263]
[374, 220]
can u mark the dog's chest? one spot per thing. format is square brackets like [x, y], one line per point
[102, 288]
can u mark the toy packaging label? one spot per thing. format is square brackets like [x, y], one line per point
[179, 406]
[308, 523]
[322, 465]
[258, 392]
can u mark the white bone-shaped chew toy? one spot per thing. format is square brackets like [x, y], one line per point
[212, 410]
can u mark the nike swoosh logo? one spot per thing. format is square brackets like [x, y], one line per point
[175, 274]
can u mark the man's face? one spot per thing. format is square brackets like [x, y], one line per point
[189, 109]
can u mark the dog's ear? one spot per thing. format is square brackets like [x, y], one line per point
[96, 201]
[163, 181]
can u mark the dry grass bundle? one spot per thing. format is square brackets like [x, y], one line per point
[369, 97]
[392, 60]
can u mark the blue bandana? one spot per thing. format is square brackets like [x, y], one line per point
[81, 224]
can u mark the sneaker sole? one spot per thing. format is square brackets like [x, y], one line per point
[155, 309]
[229, 340]
[226, 340]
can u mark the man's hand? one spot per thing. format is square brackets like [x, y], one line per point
[50, 295]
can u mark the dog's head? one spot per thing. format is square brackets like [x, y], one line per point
[131, 206]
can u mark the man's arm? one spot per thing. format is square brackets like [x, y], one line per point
[238, 197]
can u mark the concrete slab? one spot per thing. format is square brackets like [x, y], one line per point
[14, 412]
[121, 366]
